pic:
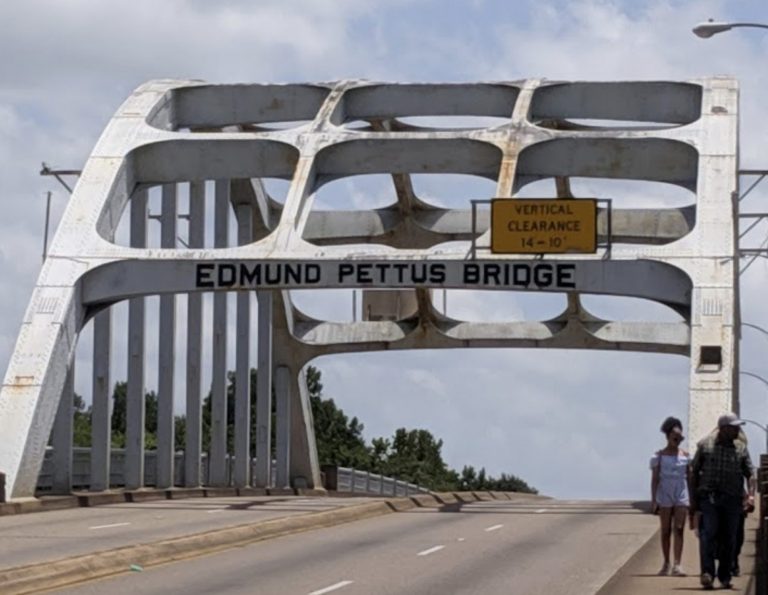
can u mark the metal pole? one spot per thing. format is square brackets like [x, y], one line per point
[61, 437]
[217, 463]
[754, 326]
[135, 406]
[283, 430]
[264, 391]
[47, 171]
[762, 427]
[166, 351]
[243, 366]
[101, 414]
[47, 221]
[193, 429]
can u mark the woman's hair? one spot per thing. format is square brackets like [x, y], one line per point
[670, 423]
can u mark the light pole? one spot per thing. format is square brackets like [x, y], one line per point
[754, 326]
[762, 427]
[757, 376]
[711, 27]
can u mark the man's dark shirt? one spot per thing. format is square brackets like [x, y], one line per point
[721, 466]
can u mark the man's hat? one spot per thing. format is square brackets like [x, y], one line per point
[729, 419]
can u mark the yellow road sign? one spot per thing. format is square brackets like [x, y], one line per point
[543, 225]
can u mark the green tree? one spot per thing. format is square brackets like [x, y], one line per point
[410, 455]
[81, 423]
[179, 431]
[468, 480]
[482, 480]
[415, 456]
[511, 483]
[119, 417]
[339, 439]
[207, 419]
[472, 480]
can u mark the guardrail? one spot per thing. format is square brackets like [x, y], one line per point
[355, 481]
[761, 568]
[81, 469]
[340, 479]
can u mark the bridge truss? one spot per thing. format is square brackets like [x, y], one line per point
[220, 142]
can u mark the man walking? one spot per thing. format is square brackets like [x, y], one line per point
[720, 466]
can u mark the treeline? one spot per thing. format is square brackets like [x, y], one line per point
[409, 455]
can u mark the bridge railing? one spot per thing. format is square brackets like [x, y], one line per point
[81, 469]
[356, 481]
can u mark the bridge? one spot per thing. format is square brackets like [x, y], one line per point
[209, 155]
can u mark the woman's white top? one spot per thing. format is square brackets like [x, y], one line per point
[673, 479]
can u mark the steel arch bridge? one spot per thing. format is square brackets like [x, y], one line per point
[221, 142]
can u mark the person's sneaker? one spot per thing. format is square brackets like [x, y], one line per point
[677, 570]
[706, 580]
[664, 569]
[725, 585]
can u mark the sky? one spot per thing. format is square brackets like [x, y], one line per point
[573, 424]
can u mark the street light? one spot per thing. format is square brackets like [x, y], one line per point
[757, 328]
[711, 27]
[757, 376]
[761, 426]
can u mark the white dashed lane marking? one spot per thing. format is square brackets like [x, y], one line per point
[493, 528]
[431, 550]
[109, 526]
[338, 585]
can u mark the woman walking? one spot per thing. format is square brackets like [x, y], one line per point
[670, 469]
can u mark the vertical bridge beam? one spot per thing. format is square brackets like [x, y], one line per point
[218, 472]
[101, 414]
[166, 353]
[242, 471]
[283, 429]
[135, 406]
[61, 437]
[193, 434]
[264, 392]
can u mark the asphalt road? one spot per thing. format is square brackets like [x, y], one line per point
[549, 546]
[31, 538]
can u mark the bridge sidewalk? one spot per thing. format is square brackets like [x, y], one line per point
[639, 574]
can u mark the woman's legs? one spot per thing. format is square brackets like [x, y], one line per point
[679, 514]
[665, 516]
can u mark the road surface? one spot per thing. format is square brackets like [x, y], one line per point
[546, 546]
[32, 538]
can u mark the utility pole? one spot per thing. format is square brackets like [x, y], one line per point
[56, 173]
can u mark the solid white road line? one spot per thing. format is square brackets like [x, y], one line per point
[331, 588]
[494, 528]
[215, 510]
[431, 550]
[109, 526]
